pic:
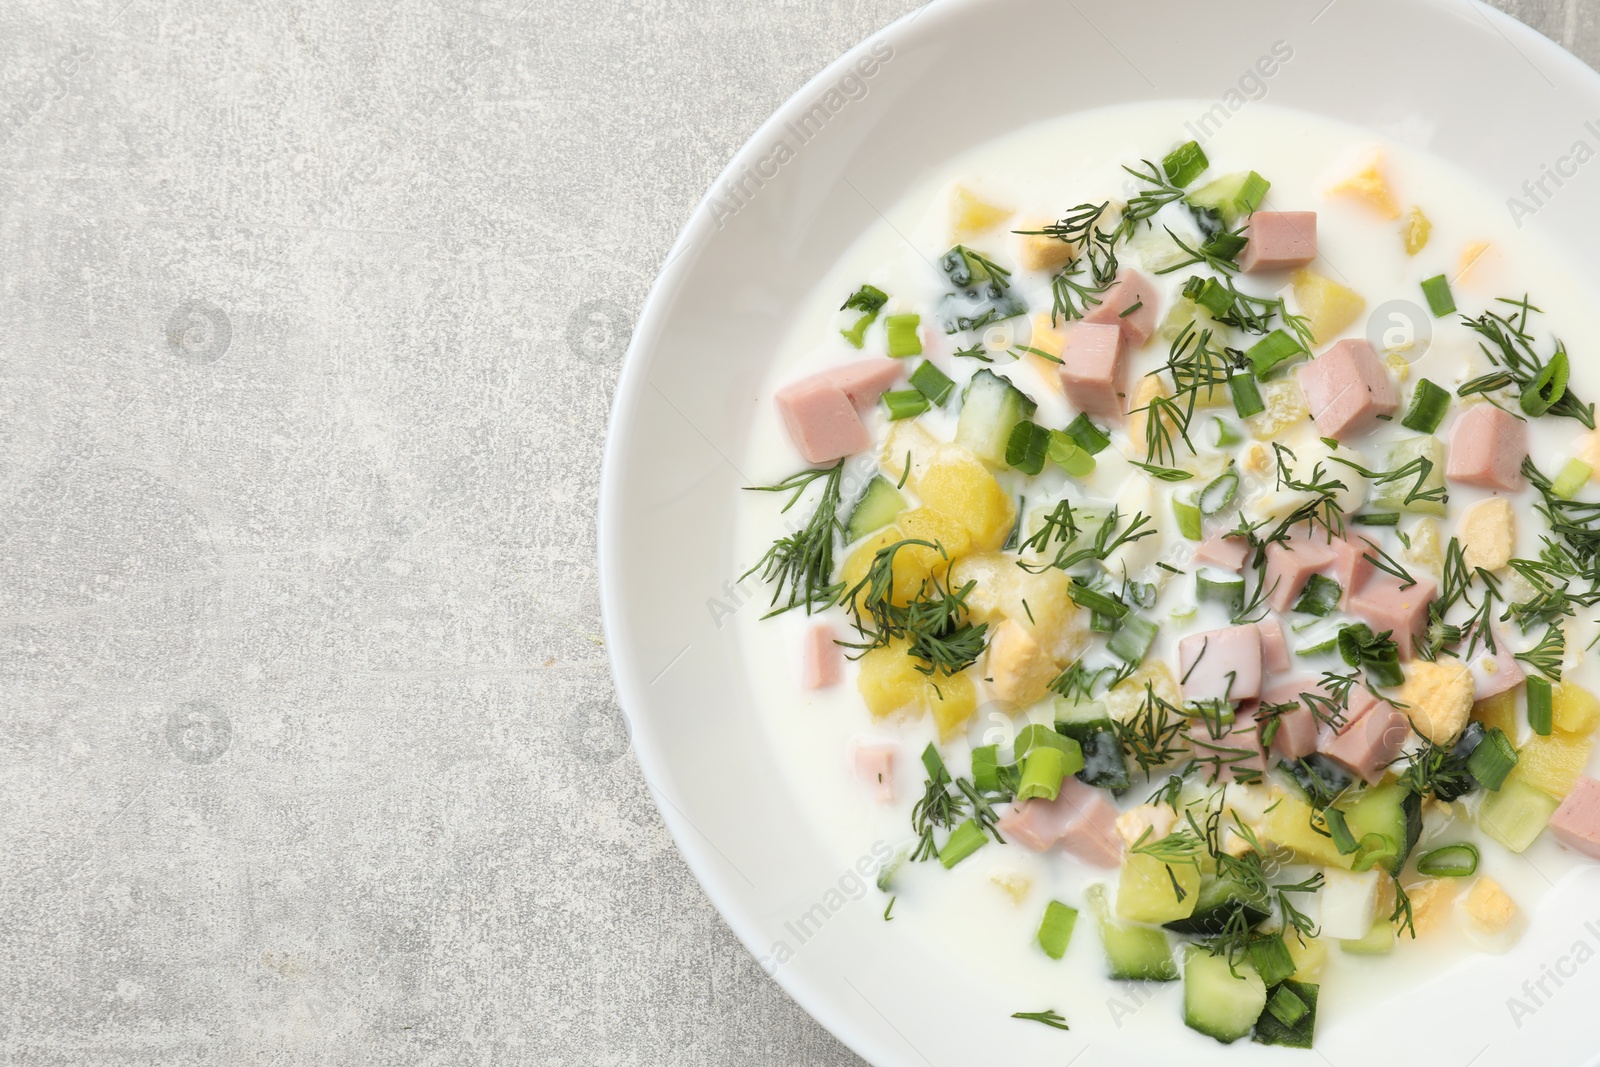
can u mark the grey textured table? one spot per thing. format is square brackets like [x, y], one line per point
[310, 315]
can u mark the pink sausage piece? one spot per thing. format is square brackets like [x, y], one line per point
[1351, 567]
[1039, 824]
[1487, 448]
[1279, 240]
[1221, 665]
[1372, 740]
[1274, 646]
[820, 411]
[874, 762]
[866, 379]
[1131, 304]
[1383, 605]
[1507, 673]
[1228, 553]
[1094, 369]
[1290, 564]
[821, 659]
[1576, 822]
[1297, 729]
[1093, 838]
[1348, 387]
[1237, 754]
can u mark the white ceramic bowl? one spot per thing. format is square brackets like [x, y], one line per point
[1453, 77]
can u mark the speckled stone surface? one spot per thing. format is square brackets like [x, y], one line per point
[310, 316]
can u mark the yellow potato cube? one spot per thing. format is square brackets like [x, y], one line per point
[1488, 906]
[909, 442]
[910, 569]
[1145, 390]
[930, 524]
[1288, 825]
[971, 214]
[1501, 711]
[1438, 697]
[1329, 307]
[1576, 710]
[953, 698]
[890, 682]
[1040, 603]
[1552, 764]
[1040, 251]
[1124, 701]
[1309, 956]
[1487, 532]
[1473, 256]
[1415, 229]
[1369, 186]
[1145, 893]
[959, 485]
[1396, 361]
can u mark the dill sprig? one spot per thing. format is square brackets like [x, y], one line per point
[938, 808]
[934, 622]
[1509, 346]
[1107, 539]
[1050, 1018]
[1546, 656]
[802, 563]
[1153, 734]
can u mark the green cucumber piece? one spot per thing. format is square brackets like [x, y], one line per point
[879, 505]
[1393, 811]
[991, 408]
[1233, 196]
[1272, 1031]
[1391, 496]
[1378, 940]
[1104, 765]
[1134, 953]
[1319, 779]
[1215, 1001]
[1516, 814]
[1220, 898]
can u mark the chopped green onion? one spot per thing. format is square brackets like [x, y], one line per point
[1271, 958]
[904, 404]
[1185, 163]
[1572, 478]
[1428, 405]
[1246, 395]
[1096, 601]
[1188, 516]
[1040, 735]
[903, 337]
[1091, 438]
[1055, 931]
[1266, 354]
[1322, 648]
[1320, 596]
[1548, 386]
[1539, 705]
[887, 872]
[1042, 774]
[1132, 641]
[1285, 1007]
[1437, 292]
[1220, 493]
[1229, 592]
[869, 300]
[1493, 759]
[1214, 297]
[964, 841]
[857, 334]
[1251, 193]
[1227, 434]
[1069, 455]
[1377, 518]
[986, 768]
[932, 383]
[1027, 446]
[1451, 861]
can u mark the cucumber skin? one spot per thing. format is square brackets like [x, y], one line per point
[1269, 1031]
[1218, 900]
[1104, 765]
[1137, 953]
[991, 407]
[877, 507]
[1392, 810]
[1217, 1004]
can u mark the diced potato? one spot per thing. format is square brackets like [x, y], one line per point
[1415, 229]
[1431, 901]
[930, 524]
[953, 698]
[1039, 251]
[1286, 407]
[971, 214]
[1014, 882]
[1125, 700]
[1047, 337]
[1145, 893]
[1329, 307]
[1145, 390]
[1552, 764]
[1018, 670]
[1488, 906]
[1487, 532]
[1309, 956]
[1425, 544]
[1396, 361]
[909, 571]
[890, 682]
[1438, 697]
[1371, 187]
[1288, 825]
[1576, 710]
[1501, 711]
[1157, 819]
[959, 485]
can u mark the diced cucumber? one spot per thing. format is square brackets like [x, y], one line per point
[991, 408]
[1220, 898]
[982, 291]
[1378, 941]
[1393, 811]
[1233, 196]
[1272, 958]
[878, 506]
[1104, 765]
[1131, 643]
[1133, 953]
[1516, 814]
[1217, 1002]
[1391, 496]
[1270, 1030]
[1319, 779]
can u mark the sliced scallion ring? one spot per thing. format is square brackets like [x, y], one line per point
[1452, 861]
[1548, 387]
[1220, 493]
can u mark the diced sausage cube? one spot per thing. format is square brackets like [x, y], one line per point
[1038, 824]
[1274, 646]
[1228, 553]
[1094, 369]
[821, 658]
[1372, 740]
[1092, 837]
[1279, 240]
[1348, 387]
[1384, 605]
[1235, 753]
[1576, 822]
[873, 763]
[1131, 304]
[1291, 563]
[1298, 729]
[821, 420]
[1487, 448]
[1222, 664]
[866, 379]
[1351, 567]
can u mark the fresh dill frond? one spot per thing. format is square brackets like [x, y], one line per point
[800, 566]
